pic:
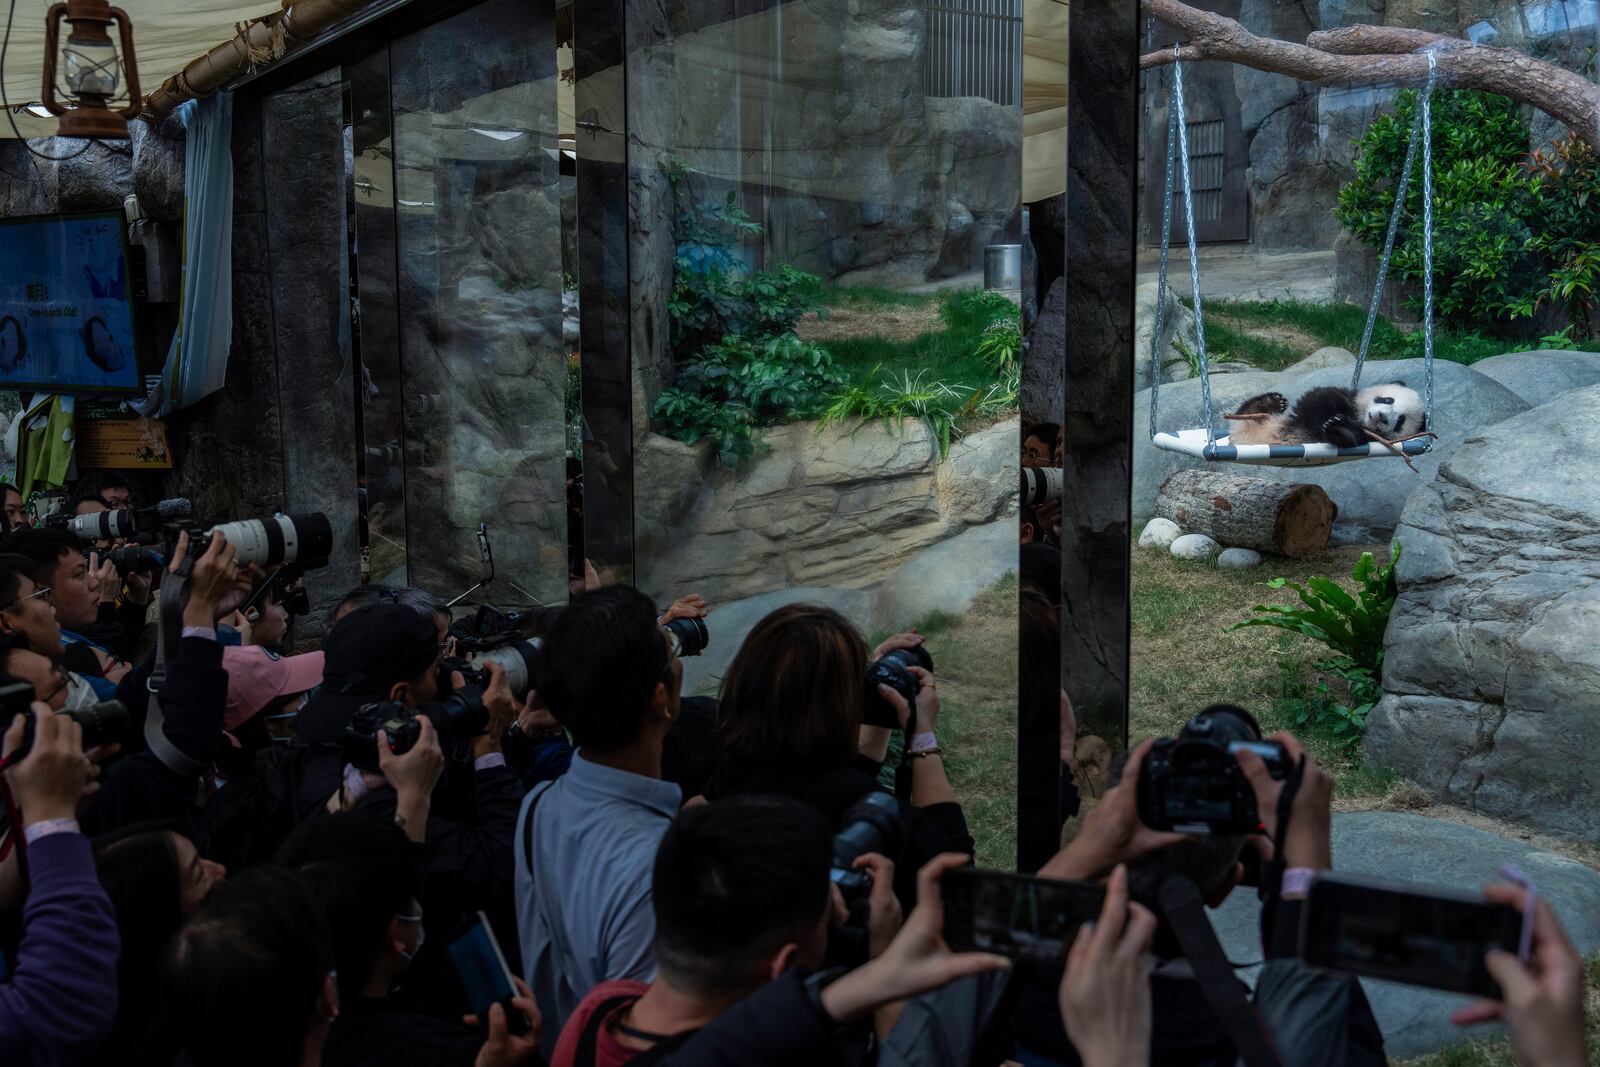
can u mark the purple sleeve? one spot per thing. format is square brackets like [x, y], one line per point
[59, 1001]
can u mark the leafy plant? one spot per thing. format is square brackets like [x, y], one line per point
[1516, 234]
[1352, 626]
[1319, 709]
[690, 417]
[1187, 357]
[1001, 344]
[985, 304]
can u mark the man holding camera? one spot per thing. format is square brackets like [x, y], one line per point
[387, 657]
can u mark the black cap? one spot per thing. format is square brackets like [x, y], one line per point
[365, 654]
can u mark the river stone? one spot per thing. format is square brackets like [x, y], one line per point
[1238, 559]
[1400, 846]
[1540, 377]
[1160, 533]
[1368, 492]
[1195, 546]
[1491, 664]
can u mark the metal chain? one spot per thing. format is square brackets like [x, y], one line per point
[1157, 349]
[1388, 245]
[1427, 234]
[1194, 251]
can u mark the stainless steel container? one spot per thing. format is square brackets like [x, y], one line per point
[1002, 268]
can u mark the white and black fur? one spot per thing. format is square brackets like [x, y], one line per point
[1330, 415]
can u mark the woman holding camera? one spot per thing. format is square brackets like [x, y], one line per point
[792, 713]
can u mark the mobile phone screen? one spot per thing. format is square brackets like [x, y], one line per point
[484, 975]
[1015, 915]
[1433, 940]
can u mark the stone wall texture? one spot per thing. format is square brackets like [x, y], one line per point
[1492, 672]
[840, 506]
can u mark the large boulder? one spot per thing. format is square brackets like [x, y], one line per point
[1540, 377]
[1177, 327]
[1436, 855]
[1369, 493]
[1492, 665]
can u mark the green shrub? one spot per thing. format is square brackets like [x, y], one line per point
[1001, 344]
[690, 417]
[1351, 626]
[1514, 234]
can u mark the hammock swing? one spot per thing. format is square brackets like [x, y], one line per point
[1202, 442]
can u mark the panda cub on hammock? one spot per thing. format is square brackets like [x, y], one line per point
[1332, 415]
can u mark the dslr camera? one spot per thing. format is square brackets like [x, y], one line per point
[459, 716]
[891, 670]
[495, 636]
[1193, 784]
[101, 723]
[871, 825]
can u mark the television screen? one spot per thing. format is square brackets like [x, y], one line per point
[66, 305]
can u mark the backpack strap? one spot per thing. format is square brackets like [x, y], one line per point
[1185, 913]
[589, 1036]
[526, 829]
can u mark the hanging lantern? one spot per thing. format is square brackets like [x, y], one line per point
[85, 75]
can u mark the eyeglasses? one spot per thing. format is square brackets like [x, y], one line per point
[49, 598]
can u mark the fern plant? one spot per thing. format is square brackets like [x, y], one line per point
[1352, 626]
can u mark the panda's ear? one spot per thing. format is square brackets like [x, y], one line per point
[1397, 382]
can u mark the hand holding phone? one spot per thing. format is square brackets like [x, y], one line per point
[1015, 915]
[1407, 934]
[486, 979]
[1542, 1003]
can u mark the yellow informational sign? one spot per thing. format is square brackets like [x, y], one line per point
[123, 444]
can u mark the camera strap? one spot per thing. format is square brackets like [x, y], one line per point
[169, 632]
[1271, 890]
[1186, 914]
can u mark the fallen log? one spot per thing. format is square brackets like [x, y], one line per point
[1290, 520]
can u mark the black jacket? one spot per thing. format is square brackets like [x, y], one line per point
[375, 1033]
[135, 785]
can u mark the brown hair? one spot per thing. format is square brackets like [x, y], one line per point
[796, 688]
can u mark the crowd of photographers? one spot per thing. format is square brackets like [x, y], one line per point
[512, 839]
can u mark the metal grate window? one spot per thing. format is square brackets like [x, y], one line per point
[1206, 158]
[975, 49]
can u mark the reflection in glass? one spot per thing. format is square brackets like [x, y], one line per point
[824, 394]
[480, 299]
[376, 320]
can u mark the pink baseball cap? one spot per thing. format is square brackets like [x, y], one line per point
[257, 677]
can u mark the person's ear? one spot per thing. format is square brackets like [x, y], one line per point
[399, 691]
[782, 960]
[1027, 533]
[397, 937]
[1234, 876]
[661, 702]
[5, 624]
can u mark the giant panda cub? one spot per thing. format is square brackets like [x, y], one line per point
[1329, 414]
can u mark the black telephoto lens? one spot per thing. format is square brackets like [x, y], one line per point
[689, 637]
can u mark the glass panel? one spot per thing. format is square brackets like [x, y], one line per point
[824, 394]
[302, 149]
[480, 299]
[376, 319]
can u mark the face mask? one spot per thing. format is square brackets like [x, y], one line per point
[422, 935]
[80, 694]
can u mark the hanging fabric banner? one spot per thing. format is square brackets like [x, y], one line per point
[197, 362]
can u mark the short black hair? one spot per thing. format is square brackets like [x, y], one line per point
[248, 970]
[42, 548]
[603, 657]
[363, 871]
[97, 483]
[69, 506]
[13, 568]
[419, 600]
[734, 882]
[138, 866]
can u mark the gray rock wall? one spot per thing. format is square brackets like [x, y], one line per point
[839, 507]
[1492, 672]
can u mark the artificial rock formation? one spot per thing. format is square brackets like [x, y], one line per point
[838, 507]
[1492, 668]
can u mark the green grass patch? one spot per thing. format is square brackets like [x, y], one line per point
[868, 296]
[946, 351]
[1272, 334]
[1183, 658]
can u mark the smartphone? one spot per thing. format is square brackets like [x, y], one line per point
[1407, 934]
[484, 975]
[1015, 915]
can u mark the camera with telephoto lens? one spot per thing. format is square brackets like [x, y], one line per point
[871, 825]
[890, 669]
[101, 723]
[688, 637]
[459, 716]
[134, 559]
[140, 525]
[1193, 784]
[304, 539]
[494, 635]
[1040, 485]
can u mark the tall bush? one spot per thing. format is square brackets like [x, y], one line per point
[1516, 233]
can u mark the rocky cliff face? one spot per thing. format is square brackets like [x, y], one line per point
[841, 506]
[1492, 669]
